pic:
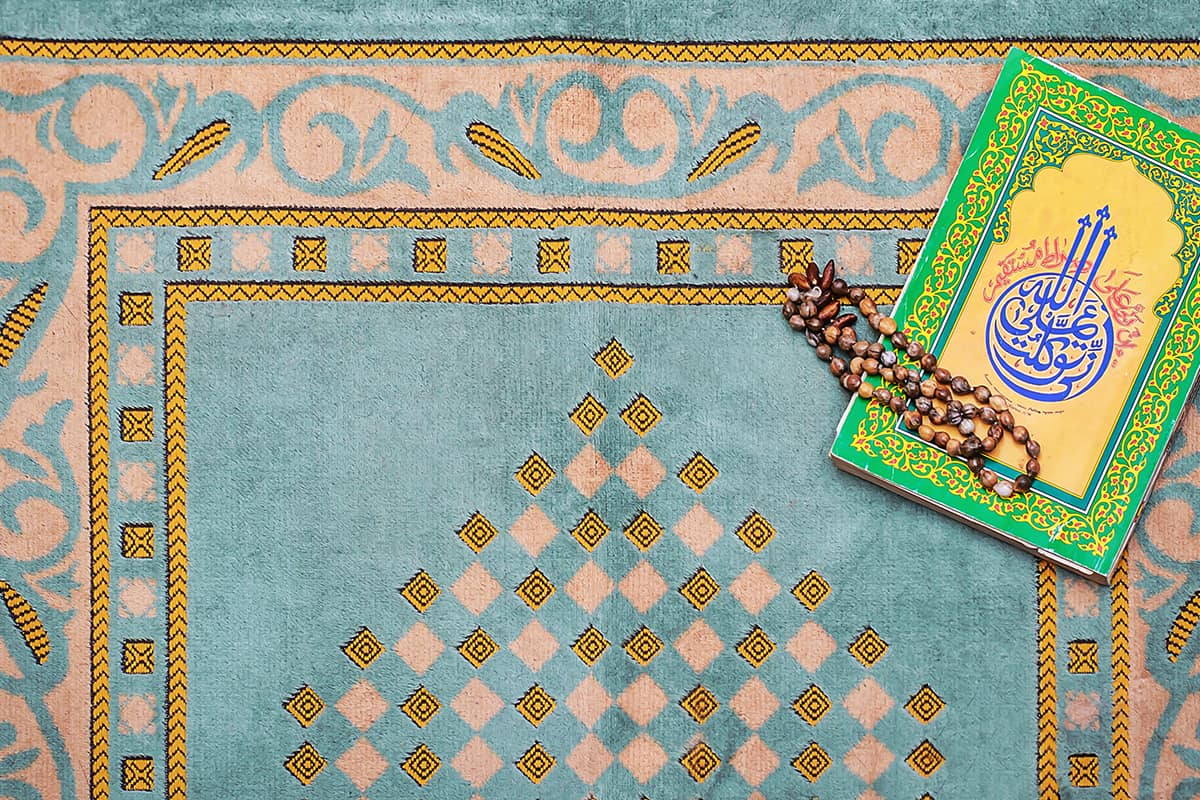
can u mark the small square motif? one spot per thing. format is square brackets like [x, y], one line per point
[674, 257]
[137, 656]
[795, 255]
[137, 540]
[136, 308]
[1083, 657]
[194, 253]
[906, 254]
[137, 424]
[137, 774]
[1084, 769]
[309, 254]
[429, 255]
[554, 255]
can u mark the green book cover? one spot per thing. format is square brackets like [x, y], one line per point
[1061, 272]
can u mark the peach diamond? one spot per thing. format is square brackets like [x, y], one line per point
[754, 588]
[644, 758]
[589, 587]
[476, 704]
[588, 471]
[643, 587]
[362, 764]
[698, 529]
[699, 645]
[533, 530]
[419, 648]
[754, 703]
[754, 761]
[868, 703]
[535, 646]
[476, 589]
[643, 700]
[811, 646]
[362, 705]
[590, 759]
[477, 762]
[641, 471]
[869, 759]
[589, 700]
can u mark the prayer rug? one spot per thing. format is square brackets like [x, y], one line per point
[412, 419]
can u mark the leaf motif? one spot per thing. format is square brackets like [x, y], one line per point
[1188, 755]
[851, 139]
[19, 461]
[377, 136]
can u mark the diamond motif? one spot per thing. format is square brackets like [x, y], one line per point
[700, 589]
[533, 530]
[643, 530]
[614, 359]
[590, 645]
[869, 759]
[754, 703]
[643, 700]
[925, 759]
[534, 646]
[812, 704]
[643, 587]
[924, 705]
[699, 645]
[477, 762]
[421, 591]
[421, 706]
[811, 590]
[812, 762]
[588, 471]
[363, 648]
[534, 474]
[590, 530]
[421, 765]
[305, 705]
[589, 587]
[535, 705]
[868, 703]
[362, 705]
[756, 648]
[535, 590]
[644, 758]
[641, 415]
[589, 700]
[477, 532]
[868, 647]
[754, 588]
[698, 529]
[419, 648]
[362, 764]
[811, 646]
[476, 589]
[478, 648]
[305, 764]
[590, 759]
[536, 763]
[643, 646]
[588, 415]
[698, 473]
[476, 704]
[700, 704]
[700, 762]
[755, 532]
[754, 761]
[641, 471]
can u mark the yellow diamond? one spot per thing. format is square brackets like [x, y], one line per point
[614, 359]
[756, 648]
[643, 646]
[925, 760]
[643, 530]
[421, 765]
[700, 704]
[700, 762]
[536, 763]
[421, 706]
[868, 647]
[812, 705]
[590, 530]
[924, 705]
[421, 591]
[477, 532]
[535, 705]
[534, 474]
[698, 473]
[590, 645]
[812, 762]
[755, 532]
[641, 415]
[811, 590]
[700, 589]
[588, 414]
[363, 648]
[478, 648]
[305, 764]
[535, 590]
[305, 705]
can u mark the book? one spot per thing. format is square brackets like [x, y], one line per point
[1061, 273]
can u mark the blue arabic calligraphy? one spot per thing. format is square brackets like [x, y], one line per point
[1050, 335]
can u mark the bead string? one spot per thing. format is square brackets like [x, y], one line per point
[814, 305]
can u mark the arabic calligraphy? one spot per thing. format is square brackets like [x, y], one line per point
[1050, 334]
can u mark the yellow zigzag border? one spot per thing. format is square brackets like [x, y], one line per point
[684, 52]
[25, 617]
[1047, 677]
